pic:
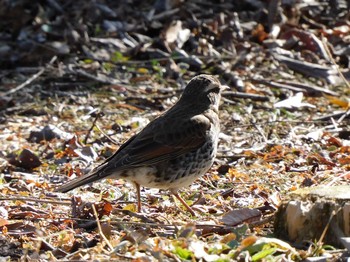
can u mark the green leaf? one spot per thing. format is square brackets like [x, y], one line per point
[88, 61]
[328, 247]
[107, 66]
[118, 57]
[222, 260]
[183, 253]
[264, 253]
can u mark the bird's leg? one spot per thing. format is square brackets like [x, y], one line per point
[138, 195]
[184, 203]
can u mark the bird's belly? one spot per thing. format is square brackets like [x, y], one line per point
[176, 173]
[144, 176]
[182, 171]
[170, 180]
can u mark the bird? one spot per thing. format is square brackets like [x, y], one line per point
[171, 151]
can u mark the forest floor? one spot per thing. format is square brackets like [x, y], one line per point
[78, 78]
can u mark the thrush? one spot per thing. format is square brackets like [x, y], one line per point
[173, 150]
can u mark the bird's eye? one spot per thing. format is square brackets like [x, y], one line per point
[214, 90]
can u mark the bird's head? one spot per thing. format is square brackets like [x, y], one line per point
[204, 90]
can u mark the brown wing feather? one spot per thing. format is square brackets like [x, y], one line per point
[160, 143]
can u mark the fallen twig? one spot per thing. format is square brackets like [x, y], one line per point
[102, 79]
[309, 69]
[310, 89]
[32, 78]
[333, 115]
[107, 136]
[324, 41]
[253, 97]
[133, 214]
[277, 85]
[100, 229]
[38, 200]
[105, 80]
[98, 115]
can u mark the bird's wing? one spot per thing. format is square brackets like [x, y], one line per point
[162, 140]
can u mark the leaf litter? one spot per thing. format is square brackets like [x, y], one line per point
[75, 90]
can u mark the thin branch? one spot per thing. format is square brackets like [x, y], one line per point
[98, 115]
[38, 200]
[107, 136]
[254, 97]
[345, 115]
[259, 129]
[334, 212]
[32, 78]
[100, 229]
[324, 41]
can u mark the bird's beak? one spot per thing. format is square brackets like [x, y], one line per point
[224, 87]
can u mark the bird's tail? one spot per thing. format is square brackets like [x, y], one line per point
[97, 174]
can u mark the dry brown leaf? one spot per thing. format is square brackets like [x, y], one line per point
[337, 101]
[238, 216]
[26, 159]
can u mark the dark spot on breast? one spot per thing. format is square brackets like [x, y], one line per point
[169, 178]
[158, 174]
[124, 174]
